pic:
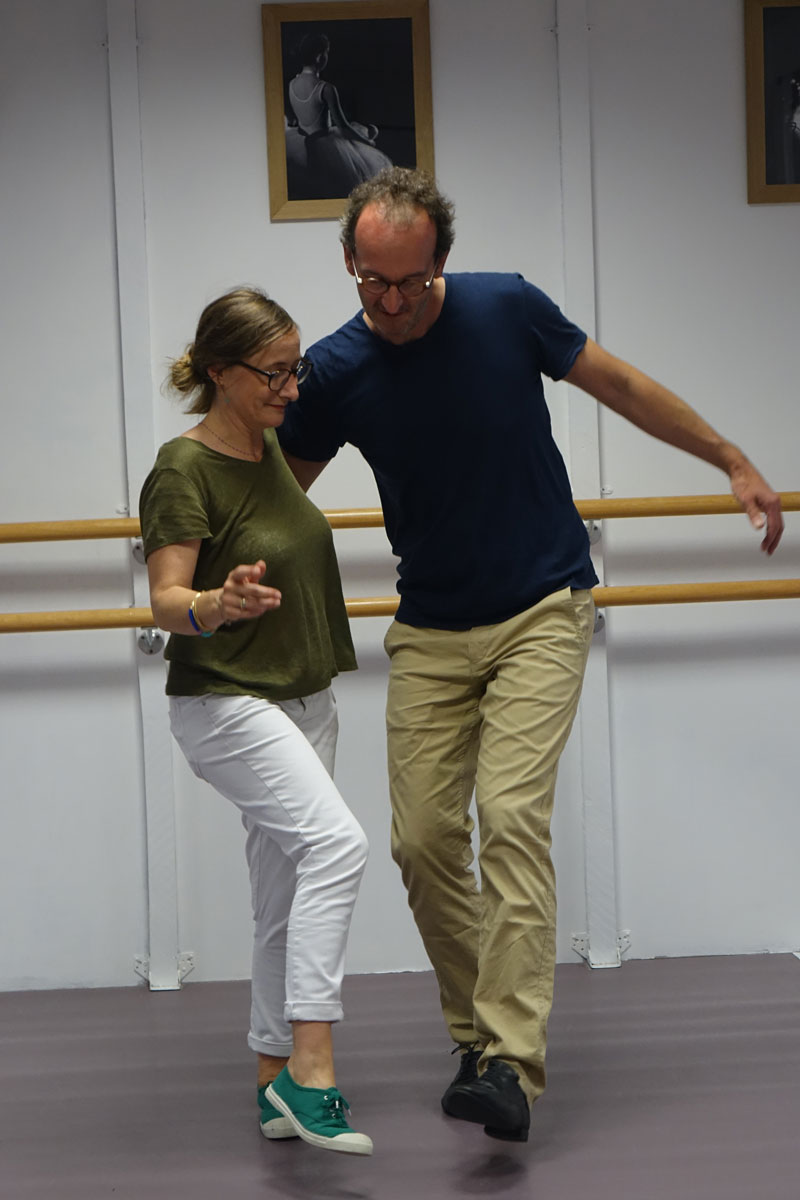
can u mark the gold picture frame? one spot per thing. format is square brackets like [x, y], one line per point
[336, 116]
[772, 84]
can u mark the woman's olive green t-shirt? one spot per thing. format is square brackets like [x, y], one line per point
[243, 512]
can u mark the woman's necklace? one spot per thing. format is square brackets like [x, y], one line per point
[255, 455]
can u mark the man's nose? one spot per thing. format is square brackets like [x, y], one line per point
[392, 299]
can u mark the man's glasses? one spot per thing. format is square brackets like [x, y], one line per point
[278, 379]
[375, 285]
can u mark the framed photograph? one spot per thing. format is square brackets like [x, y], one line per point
[348, 92]
[772, 63]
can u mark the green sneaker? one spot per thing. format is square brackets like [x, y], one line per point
[317, 1115]
[272, 1124]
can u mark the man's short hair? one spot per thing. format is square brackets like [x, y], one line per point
[398, 192]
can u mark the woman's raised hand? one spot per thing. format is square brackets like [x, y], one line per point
[242, 595]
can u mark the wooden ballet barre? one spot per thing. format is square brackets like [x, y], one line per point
[386, 606]
[670, 506]
[70, 531]
[615, 597]
[86, 618]
[129, 527]
[372, 518]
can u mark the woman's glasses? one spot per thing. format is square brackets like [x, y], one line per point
[278, 379]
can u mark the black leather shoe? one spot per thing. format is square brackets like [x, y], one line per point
[467, 1070]
[494, 1100]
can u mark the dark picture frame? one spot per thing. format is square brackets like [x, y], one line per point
[348, 91]
[772, 77]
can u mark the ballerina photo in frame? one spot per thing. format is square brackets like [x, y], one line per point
[772, 64]
[348, 92]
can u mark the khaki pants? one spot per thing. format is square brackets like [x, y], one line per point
[490, 708]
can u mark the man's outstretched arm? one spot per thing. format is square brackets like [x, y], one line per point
[659, 412]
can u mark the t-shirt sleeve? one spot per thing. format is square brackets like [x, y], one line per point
[308, 430]
[558, 340]
[170, 510]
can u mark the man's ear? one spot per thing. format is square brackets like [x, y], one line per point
[440, 264]
[348, 261]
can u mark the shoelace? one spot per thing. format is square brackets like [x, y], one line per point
[470, 1053]
[337, 1107]
[464, 1048]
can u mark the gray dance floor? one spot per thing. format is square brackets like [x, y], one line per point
[669, 1080]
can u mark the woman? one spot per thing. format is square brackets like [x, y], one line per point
[236, 550]
[338, 153]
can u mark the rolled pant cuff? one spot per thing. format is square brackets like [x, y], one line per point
[273, 1049]
[313, 1010]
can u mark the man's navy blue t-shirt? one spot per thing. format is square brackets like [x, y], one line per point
[454, 425]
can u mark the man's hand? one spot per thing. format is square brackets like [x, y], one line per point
[762, 505]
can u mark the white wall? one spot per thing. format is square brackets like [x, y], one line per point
[695, 287]
[705, 762]
[72, 892]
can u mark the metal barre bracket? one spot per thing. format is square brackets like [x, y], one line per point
[150, 640]
[185, 965]
[595, 531]
[580, 944]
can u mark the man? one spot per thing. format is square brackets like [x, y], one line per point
[438, 383]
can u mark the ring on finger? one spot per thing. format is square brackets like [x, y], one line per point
[244, 602]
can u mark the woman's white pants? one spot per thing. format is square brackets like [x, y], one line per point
[305, 849]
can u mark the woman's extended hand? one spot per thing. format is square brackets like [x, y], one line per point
[242, 597]
[179, 608]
